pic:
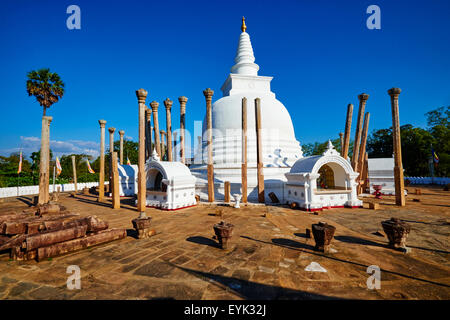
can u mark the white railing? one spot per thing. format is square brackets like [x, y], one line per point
[428, 180]
[30, 190]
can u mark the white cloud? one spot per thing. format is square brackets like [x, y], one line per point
[59, 148]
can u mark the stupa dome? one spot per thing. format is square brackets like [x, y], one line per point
[280, 148]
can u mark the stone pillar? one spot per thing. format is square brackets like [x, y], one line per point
[348, 127]
[168, 104]
[44, 174]
[398, 167]
[183, 101]
[101, 183]
[259, 154]
[74, 168]
[244, 150]
[115, 182]
[208, 93]
[362, 147]
[362, 104]
[364, 174]
[227, 191]
[142, 190]
[163, 149]
[148, 133]
[121, 133]
[175, 154]
[155, 106]
[111, 150]
[341, 141]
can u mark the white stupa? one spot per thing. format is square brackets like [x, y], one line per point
[280, 147]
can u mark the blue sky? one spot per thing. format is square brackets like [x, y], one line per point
[320, 53]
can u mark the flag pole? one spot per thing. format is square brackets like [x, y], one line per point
[54, 173]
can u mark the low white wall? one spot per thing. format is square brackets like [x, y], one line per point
[428, 180]
[31, 190]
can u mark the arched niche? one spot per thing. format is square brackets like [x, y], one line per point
[155, 180]
[332, 176]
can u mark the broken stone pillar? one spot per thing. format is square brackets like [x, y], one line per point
[274, 197]
[111, 150]
[142, 190]
[148, 133]
[86, 191]
[142, 227]
[74, 167]
[227, 191]
[101, 182]
[155, 106]
[224, 232]
[397, 231]
[341, 141]
[323, 234]
[362, 104]
[168, 104]
[208, 93]
[362, 147]
[260, 163]
[121, 133]
[183, 101]
[398, 166]
[348, 127]
[244, 150]
[115, 182]
[44, 174]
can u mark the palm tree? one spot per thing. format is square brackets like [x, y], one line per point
[46, 86]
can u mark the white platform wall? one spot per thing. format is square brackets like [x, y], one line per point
[32, 190]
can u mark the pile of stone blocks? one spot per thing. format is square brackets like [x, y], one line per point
[49, 230]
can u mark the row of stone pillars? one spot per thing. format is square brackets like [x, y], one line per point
[112, 163]
[208, 93]
[163, 140]
[360, 158]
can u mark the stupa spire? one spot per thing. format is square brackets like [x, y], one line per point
[245, 59]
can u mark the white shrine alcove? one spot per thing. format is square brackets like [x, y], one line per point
[324, 181]
[170, 185]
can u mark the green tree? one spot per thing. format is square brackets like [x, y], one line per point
[316, 148]
[46, 86]
[438, 117]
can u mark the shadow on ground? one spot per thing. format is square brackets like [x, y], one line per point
[301, 247]
[255, 291]
[203, 241]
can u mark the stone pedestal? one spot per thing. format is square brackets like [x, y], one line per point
[323, 234]
[142, 226]
[397, 231]
[224, 232]
[86, 190]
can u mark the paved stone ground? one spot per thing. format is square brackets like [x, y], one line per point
[267, 258]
